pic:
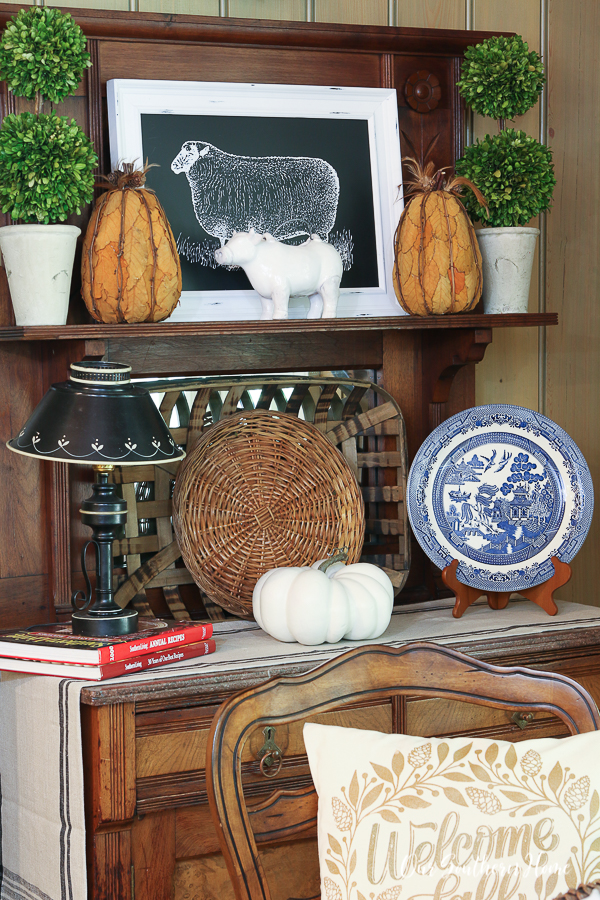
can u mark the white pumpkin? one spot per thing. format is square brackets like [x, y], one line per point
[324, 603]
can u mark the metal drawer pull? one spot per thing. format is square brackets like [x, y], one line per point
[522, 719]
[270, 756]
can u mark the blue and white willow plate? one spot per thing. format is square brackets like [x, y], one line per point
[501, 489]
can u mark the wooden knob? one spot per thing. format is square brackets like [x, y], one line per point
[422, 91]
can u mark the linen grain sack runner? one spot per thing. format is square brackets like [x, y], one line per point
[42, 830]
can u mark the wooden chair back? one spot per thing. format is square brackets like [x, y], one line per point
[362, 676]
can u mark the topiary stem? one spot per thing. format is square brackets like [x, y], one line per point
[501, 124]
[39, 103]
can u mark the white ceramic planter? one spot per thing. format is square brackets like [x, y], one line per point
[507, 258]
[39, 264]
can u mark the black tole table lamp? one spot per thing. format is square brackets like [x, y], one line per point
[99, 418]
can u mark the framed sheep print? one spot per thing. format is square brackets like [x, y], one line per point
[289, 161]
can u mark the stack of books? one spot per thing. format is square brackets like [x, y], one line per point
[55, 650]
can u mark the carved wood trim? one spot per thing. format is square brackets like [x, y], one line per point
[58, 477]
[116, 24]
[168, 791]
[422, 91]
[307, 327]
[387, 70]
[399, 715]
[195, 722]
[94, 102]
[153, 856]
[298, 807]
[179, 789]
[112, 869]
[60, 536]
[458, 111]
[109, 762]
[443, 363]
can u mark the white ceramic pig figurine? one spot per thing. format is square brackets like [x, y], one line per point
[280, 271]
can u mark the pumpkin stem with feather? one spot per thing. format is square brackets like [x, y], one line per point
[130, 268]
[437, 264]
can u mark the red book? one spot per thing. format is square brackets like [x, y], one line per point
[109, 670]
[57, 643]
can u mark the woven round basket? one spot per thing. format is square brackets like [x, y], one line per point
[261, 490]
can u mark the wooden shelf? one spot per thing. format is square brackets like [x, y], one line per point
[279, 326]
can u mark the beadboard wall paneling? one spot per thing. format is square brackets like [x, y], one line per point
[96, 4]
[573, 276]
[509, 371]
[183, 7]
[430, 13]
[353, 12]
[286, 10]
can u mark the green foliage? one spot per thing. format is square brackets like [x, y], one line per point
[43, 51]
[501, 77]
[46, 161]
[46, 167]
[514, 172]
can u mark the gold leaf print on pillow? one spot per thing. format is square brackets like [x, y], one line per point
[454, 796]
[577, 794]
[341, 814]
[532, 763]
[555, 778]
[392, 893]
[514, 785]
[419, 756]
[332, 890]
[484, 801]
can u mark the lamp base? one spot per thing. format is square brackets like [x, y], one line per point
[94, 625]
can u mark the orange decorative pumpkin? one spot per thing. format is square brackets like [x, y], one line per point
[437, 267]
[130, 270]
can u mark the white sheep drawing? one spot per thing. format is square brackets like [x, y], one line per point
[287, 196]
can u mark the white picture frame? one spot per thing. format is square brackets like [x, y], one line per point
[253, 113]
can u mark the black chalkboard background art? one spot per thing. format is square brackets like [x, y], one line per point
[291, 175]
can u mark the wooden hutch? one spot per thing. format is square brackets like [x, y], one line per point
[141, 830]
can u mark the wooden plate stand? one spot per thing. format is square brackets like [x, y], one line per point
[542, 594]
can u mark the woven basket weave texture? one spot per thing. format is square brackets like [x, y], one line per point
[260, 490]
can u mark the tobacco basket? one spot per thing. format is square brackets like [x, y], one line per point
[358, 417]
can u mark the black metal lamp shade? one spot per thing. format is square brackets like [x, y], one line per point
[99, 418]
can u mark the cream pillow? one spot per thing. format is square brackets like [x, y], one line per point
[454, 819]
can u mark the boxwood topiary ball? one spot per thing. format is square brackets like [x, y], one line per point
[501, 77]
[515, 174]
[46, 167]
[43, 51]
